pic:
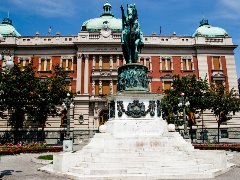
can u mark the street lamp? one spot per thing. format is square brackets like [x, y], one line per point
[183, 102]
[7, 57]
[67, 104]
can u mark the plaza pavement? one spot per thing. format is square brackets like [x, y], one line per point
[25, 167]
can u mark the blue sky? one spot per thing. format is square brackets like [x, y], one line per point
[180, 16]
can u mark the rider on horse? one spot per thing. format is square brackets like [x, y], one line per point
[132, 37]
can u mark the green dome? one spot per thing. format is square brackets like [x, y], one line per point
[7, 29]
[106, 20]
[207, 30]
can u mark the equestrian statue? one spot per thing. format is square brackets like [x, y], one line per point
[132, 36]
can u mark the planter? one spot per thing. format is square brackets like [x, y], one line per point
[232, 147]
[33, 150]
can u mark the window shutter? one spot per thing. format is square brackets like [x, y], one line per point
[167, 85]
[64, 64]
[70, 64]
[216, 63]
[169, 64]
[42, 64]
[105, 87]
[163, 64]
[48, 65]
[190, 64]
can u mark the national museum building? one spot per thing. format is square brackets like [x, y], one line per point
[93, 56]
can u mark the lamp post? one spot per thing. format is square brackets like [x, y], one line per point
[183, 102]
[67, 142]
[6, 56]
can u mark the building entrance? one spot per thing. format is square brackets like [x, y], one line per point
[103, 117]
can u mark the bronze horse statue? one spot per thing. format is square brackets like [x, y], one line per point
[132, 36]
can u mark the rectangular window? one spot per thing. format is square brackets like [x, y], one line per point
[169, 64]
[70, 65]
[184, 64]
[64, 64]
[97, 62]
[216, 63]
[105, 62]
[166, 64]
[105, 87]
[96, 88]
[23, 62]
[48, 65]
[167, 85]
[45, 64]
[190, 64]
[42, 64]
[224, 133]
[67, 64]
[187, 64]
[163, 65]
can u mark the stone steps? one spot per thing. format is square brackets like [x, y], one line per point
[158, 154]
[147, 164]
[163, 169]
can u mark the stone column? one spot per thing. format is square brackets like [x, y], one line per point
[111, 62]
[144, 61]
[139, 59]
[94, 62]
[45, 64]
[100, 62]
[67, 65]
[100, 87]
[79, 73]
[51, 64]
[111, 87]
[93, 88]
[166, 65]
[86, 75]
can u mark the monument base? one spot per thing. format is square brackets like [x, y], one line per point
[140, 157]
[67, 145]
[138, 148]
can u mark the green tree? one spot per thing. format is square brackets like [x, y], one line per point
[22, 93]
[16, 90]
[48, 94]
[223, 103]
[196, 91]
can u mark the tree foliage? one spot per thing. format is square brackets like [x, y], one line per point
[196, 91]
[22, 93]
[223, 103]
[201, 97]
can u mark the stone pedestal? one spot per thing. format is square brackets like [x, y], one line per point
[135, 144]
[67, 145]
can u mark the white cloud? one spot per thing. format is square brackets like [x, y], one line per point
[229, 9]
[48, 8]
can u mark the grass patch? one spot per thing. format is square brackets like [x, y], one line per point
[46, 157]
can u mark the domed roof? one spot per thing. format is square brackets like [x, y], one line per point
[7, 29]
[106, 20]
[207, 30]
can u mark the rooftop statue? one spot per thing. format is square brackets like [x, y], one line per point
[132, 37]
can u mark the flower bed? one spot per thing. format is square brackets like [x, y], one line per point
[10, 149]
[232, 147]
